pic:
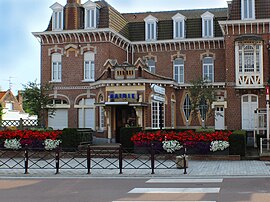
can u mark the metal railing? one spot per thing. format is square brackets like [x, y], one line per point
[111, 156]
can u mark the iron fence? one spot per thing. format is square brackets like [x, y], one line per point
[111, 156]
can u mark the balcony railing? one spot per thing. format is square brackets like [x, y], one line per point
[249, 80]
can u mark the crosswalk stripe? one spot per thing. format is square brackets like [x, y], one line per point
[184, 181]
[163, 201]
[173, 190]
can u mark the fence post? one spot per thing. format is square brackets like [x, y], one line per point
[88, 159]
[152, 159]
[261, 147]
[21, 124]
[120, 158]
[57, 153]
[185, 160]
[26, 159]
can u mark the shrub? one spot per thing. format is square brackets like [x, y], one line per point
[125, 137]
[70, 139]
[237, 141]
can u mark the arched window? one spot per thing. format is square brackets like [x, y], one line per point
[56, 67]
[187, 107]
[89, 66]
[178, 70]
[208, 69]
[203, 107]
[101, 114]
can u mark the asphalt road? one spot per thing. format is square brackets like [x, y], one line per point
[134, 189]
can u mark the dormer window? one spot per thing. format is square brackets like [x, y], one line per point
[207, 25]
[90, 15]
[178, 26]
[57, 17]
[248, 9]
[150, 28]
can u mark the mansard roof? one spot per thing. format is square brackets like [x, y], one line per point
[167, 15]
[131, 25]
[262, 9]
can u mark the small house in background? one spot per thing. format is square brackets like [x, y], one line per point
[13, 107]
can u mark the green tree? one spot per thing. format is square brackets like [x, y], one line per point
[36, 100]
[1, 113]
[202, 96]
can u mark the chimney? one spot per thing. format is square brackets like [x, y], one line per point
[72, 14]
[74, 1]
[20, 99]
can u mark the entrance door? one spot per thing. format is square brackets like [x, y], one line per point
[219, 118]
[249, 105]
[125, 116]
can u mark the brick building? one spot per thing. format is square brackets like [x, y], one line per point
[102, 64]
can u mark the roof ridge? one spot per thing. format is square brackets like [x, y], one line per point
[199, 9]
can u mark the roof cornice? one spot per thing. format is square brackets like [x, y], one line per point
[242, 22]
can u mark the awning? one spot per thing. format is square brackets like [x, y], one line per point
[132, 104]
[115, 103]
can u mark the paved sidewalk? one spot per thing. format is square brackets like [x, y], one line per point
[195, 169]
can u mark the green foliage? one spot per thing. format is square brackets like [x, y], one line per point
[72, 137]
[36, 99]
[1, 112]
[237, 141]
[200, 91]
[205, 130]
[125, 136]
[69, 138]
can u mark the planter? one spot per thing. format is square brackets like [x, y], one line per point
[142, 149]
[180, 163]
[220, 152]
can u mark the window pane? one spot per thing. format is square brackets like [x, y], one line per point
[92, 18]
[176, 29]
[187, 107]
[152, 31]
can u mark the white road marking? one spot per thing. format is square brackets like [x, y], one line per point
[173, 190]
[163, 201]
[184, 181]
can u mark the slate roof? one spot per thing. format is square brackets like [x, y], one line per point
[131, 25]
[167, 15]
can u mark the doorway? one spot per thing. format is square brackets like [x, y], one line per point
[219, 118]
[249, 105]
[125, 116]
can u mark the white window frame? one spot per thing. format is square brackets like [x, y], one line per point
[56, 68]
[101, 115]
[207, 25]
[244, 55]
[152, 68]
[208, 70]
[179, 71]
[150, 28]
[155, 115]
[179, 26]
[248, 9]
[173, 106]
[187, 107]
[89, 66]
[57, 17]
